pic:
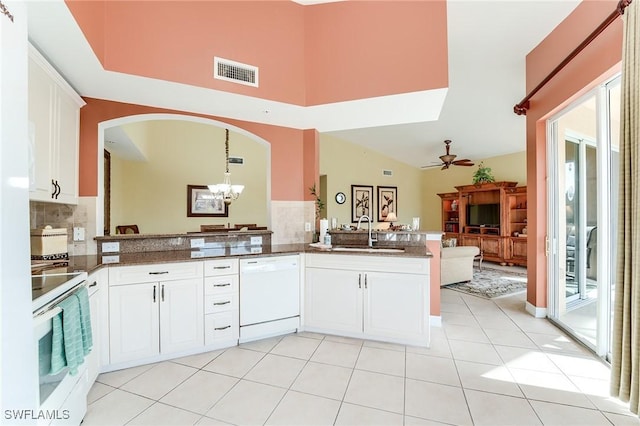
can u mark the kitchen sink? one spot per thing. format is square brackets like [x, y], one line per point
[369, 249]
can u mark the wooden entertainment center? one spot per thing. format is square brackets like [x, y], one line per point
[490, 216]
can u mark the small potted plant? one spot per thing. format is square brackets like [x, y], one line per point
[483, 175]
[319, 207]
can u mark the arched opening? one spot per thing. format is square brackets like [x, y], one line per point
[156, 156]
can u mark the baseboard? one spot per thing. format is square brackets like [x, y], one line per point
[435, 321]
[535, 311]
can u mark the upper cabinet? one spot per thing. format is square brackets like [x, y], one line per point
[54, 124]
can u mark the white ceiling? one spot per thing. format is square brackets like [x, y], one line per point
[488, 42]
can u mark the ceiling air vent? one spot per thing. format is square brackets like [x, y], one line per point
[235, 72]
[387, 172]
[236, 160]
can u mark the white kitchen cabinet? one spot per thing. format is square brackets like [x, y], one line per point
[134, 322]
[333, 300]
[221, 303]
[381, 298]
[157, 317]
[395, 305]
[54, 124]
[99, 331]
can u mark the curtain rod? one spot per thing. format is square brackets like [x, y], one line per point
[522, 107]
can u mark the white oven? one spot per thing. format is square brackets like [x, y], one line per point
[62, 397]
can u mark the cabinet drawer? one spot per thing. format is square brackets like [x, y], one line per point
[216, 267]
[221, 327]
[220, 303]
[151, 273]
[221, 284]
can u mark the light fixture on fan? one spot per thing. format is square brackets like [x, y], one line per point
[225, 191]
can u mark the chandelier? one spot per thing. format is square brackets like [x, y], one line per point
[225, 191]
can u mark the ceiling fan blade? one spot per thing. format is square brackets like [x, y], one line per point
[431, 166]
[464, 164]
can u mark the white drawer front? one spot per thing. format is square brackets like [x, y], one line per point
[221, 327]
[220, 303]
[150, 273]
[220, 267]
[221, 284]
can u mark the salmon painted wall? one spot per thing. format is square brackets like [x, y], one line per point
[364, 49]
[307, 55]
[288, 159]
[434, 276]
[601, 59]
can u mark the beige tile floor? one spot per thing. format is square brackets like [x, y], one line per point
[490, 364]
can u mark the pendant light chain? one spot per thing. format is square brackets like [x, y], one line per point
[226, 149]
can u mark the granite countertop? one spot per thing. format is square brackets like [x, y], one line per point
[91, 263]
[194, 234]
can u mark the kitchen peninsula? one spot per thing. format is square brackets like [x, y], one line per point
[167, 296]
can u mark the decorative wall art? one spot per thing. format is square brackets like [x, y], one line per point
[202, 203]
[387, 201]
[361, 201]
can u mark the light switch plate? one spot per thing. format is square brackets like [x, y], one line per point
[256, 241]
[111, 247]
[307, 227]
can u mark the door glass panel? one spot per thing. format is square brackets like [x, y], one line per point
[583, 197]
[577, 163]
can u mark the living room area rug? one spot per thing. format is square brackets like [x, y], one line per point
[491, 283]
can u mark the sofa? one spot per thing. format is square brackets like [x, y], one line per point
[456, 264]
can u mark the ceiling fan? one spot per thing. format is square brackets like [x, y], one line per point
[449, 159]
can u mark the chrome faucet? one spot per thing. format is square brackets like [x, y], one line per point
[370, 240]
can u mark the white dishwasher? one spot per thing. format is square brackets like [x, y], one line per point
[269, 296]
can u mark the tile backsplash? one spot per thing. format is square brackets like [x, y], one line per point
[61, 216]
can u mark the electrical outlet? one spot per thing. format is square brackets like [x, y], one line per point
[256, 241]
[78, 234]
[307, 227]
[197, 242]
[110, 259]
[111, 247]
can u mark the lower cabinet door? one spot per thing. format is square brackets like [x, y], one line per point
[396, 306]
[333, 299]
[181, 315]
[134, 322]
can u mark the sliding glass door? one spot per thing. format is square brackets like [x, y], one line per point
[582, 213]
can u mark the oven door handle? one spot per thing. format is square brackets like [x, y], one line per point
[46, 316]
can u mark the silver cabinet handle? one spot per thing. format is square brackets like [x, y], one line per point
[222, 267]
[163, 292]
[222, 303]
[222, 285]
[222, 328]
[359, 280]
[365, 280]
[159, 273]
[154, 294]
[93, 284]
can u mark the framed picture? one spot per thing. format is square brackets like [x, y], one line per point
[387, 201]
[200, 203]
[361, 201]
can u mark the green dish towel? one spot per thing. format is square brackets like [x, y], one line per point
[85, 320]
[72, 338]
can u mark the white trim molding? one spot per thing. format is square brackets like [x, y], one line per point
[535, 311]
[435, 321]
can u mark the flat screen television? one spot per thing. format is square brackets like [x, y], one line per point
[483, 214]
